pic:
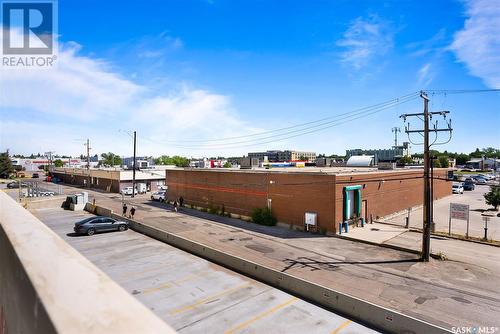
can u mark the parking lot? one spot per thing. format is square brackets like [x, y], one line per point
[192, 294]
[477, 205]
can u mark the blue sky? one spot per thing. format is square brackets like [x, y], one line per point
[184, 72]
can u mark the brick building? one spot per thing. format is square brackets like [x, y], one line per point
[110, 180]
[333, 194]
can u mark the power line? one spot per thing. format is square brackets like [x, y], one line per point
[381, 104]
[460, 91]
[300, 132]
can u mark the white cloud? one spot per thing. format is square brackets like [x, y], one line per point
[425, 75]
[83, 97]
[364, 41]
[477, 45]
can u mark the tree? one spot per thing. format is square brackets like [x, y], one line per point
[493, 196]
[227, 165]
[175, 160]
[406, 160]
[444, 161]
[6, 167]
[476, 154]
[436, 163]
[462, 158]
[58, 163]
[111, 159]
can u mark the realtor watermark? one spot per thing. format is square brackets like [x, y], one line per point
[474, 330]
[29, 33]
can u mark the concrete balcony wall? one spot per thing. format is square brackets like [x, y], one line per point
[48, 287]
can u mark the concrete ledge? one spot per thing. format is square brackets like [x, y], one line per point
[43, 202]
[46, 286]
[362, 311]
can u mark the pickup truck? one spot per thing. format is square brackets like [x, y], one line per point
[128, 191]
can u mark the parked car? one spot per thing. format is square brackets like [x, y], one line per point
[159, 196]
[128, 191]
[35, 175]
[480, 181]
[457, 188]
[92, 225]
[468, 184]
[15, 185]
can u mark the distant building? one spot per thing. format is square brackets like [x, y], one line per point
[483, 163]
[109, 179]
[385, 155]
[140, 162]
[207, 163]
[34, 165]
[287, 155]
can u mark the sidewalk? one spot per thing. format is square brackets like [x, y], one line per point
[484, 256]
[475, 200]
[446, 293]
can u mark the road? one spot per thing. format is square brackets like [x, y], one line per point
[475, 200]
[192, 294]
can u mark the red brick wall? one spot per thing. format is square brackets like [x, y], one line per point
[240, 192]
[400, 190]
[294, 194]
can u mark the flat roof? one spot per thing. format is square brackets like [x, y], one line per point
[304, 170]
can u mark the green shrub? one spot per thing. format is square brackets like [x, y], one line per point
[213, 210]
[263, 216]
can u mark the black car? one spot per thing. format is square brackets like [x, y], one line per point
[15, 184]
[91, 225]
[469, 184]
[35, 176]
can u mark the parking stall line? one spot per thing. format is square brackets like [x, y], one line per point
[207, 299]
[261, 315]
[341, 327]
[157, 288]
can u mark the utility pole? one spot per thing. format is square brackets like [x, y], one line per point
[88, 162]
[133, 171]
[433, 227]
[395, 130]
[427, 209]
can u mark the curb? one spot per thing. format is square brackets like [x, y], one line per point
[362, 311]
[443, 234]
[398, 248]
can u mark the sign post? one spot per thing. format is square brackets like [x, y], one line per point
[461, 212]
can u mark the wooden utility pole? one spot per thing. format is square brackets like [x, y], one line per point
[133, 171]
[427, 209]
[88, 162]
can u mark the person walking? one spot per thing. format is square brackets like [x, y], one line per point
[124, 213]
[181, 201]
[132, 212]
[175, 205]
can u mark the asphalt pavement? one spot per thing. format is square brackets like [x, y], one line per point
[192, 294]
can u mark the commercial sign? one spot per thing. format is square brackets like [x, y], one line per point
[459, 211]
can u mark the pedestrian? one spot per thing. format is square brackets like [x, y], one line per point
[132, 212]
[175, 205]
[124, 213]
[181, 201]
